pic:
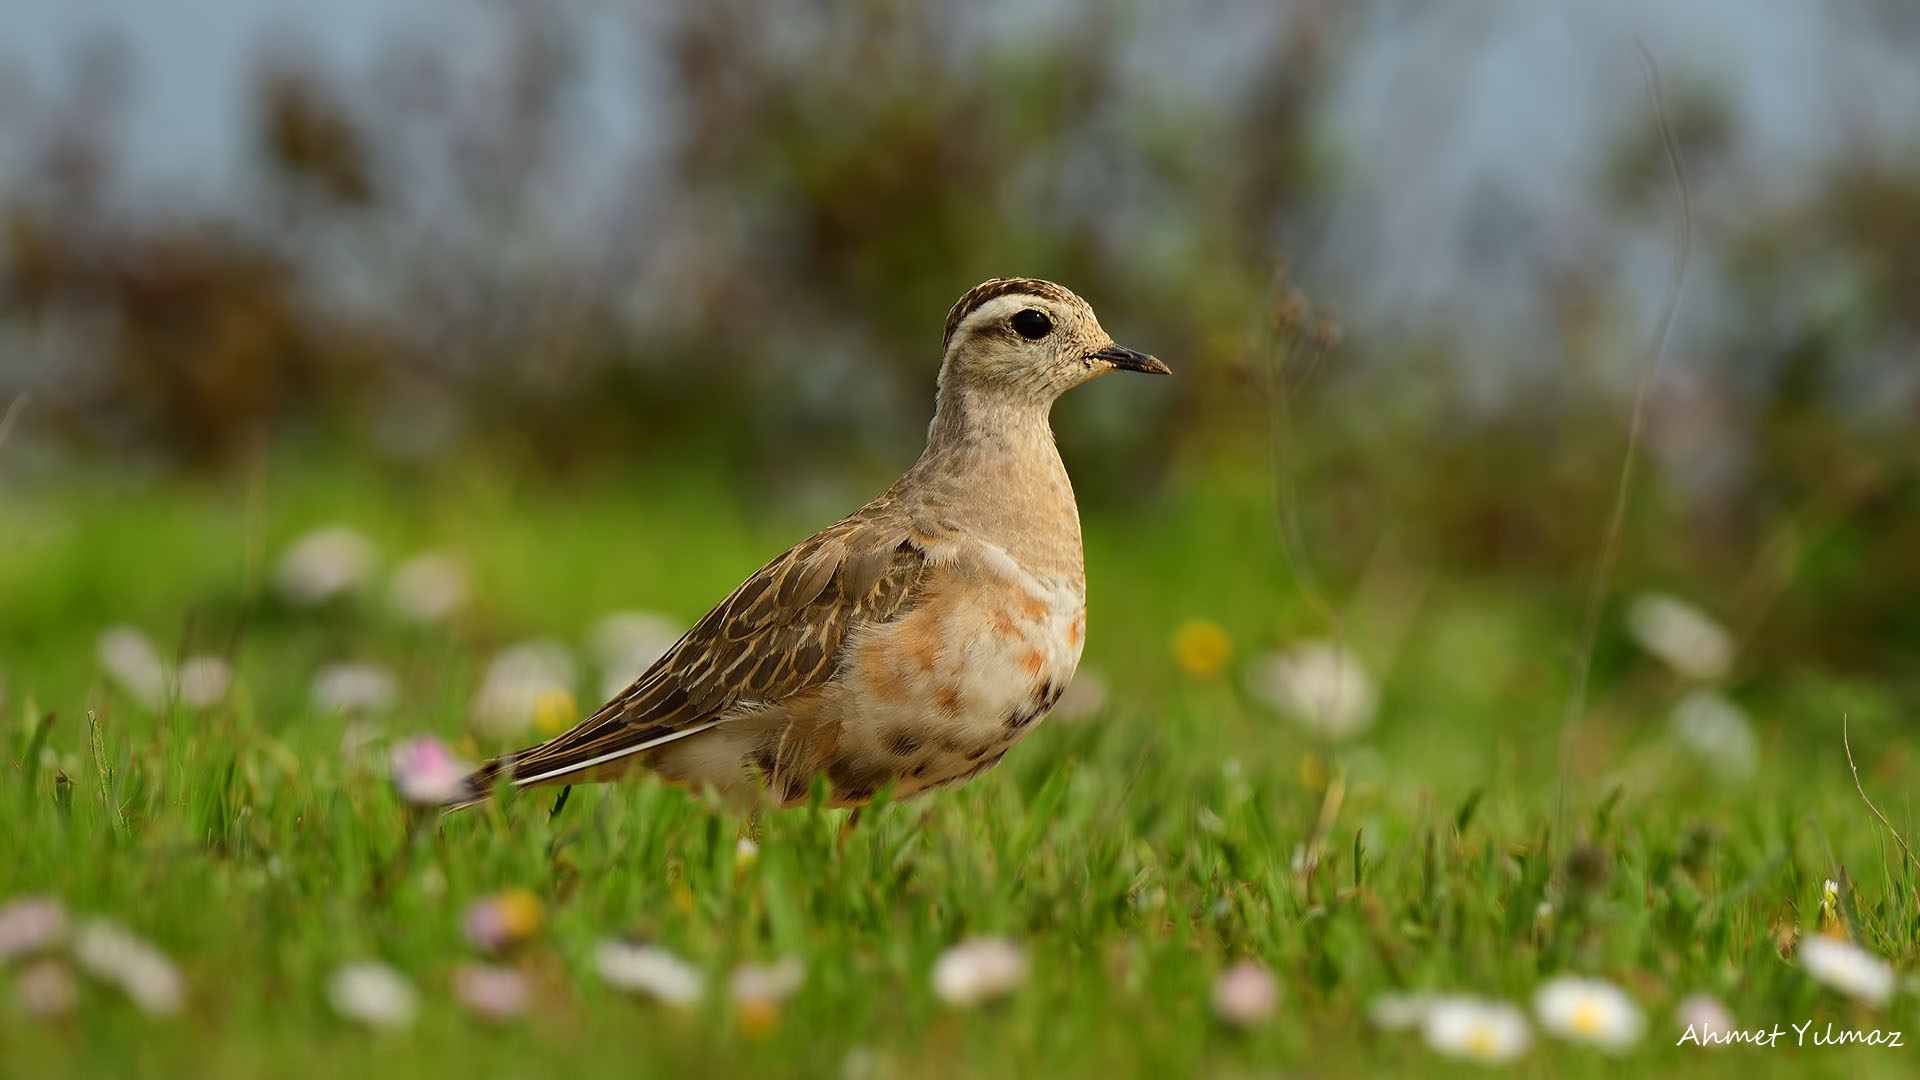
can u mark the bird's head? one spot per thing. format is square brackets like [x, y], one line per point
[1031, 338]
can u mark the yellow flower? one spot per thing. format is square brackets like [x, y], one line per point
[1202, 648]
[554, 711]
[504, 919]
[1830, 924]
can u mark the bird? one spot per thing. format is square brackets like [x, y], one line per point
[908, 646]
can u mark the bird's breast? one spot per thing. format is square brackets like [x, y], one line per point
[942, 693]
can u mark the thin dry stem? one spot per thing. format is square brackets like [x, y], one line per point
[1616, 520]
[1847, 743]
[14, 408]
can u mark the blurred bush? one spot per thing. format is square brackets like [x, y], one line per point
[412, 269]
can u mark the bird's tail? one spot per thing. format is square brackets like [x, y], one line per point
[479, 785]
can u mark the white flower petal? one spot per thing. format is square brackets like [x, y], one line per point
[1717, 730]
[1848, 968]
[516, 681]
[1320, 684]
[755, 984]
[373, 994]
[204, 681]
[979, 970]
[650, 971]
[111, 954]
[354, 688]
[325, 563]
[1684, 637]
[626, 643]
[430, 587]
[1490, 1032]
[130, 659]
[1590, 1011]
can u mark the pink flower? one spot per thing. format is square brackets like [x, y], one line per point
[29, 924]
[504, 919]
[1245, 995]
[492, 993]
[1704, 1015]
[427, 773]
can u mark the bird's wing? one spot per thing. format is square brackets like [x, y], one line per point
[778, 634]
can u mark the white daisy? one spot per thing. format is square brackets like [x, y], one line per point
[979, 970]
[1717, 730]
[519, 677]
[325, 563]
[1847, 968]
[1590, 1011]
[373, 994]
[113, 955]
[1489, 1032]
[354, 688]
[204, 681]
[1687, 639]
[650, 971]
[129, 658]
[775, 982]
[430, 587]
[626, 643]
[1320, 684]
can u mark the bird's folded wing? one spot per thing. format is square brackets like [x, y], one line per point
[778, 634]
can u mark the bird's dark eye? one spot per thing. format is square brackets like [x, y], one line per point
[1032, 324]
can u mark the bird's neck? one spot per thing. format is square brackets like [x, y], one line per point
[973, 424]
[991, 461]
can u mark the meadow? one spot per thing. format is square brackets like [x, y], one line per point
[1463, 843]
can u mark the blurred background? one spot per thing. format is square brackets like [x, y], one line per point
[591, 284]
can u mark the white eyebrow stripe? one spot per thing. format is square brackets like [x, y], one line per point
[994, 310]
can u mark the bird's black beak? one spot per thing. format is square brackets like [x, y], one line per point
[1127, 359]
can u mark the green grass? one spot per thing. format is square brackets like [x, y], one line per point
[1134, 853]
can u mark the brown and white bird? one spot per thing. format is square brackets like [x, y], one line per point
[910, 644]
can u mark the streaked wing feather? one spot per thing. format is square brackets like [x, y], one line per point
[779, 633]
